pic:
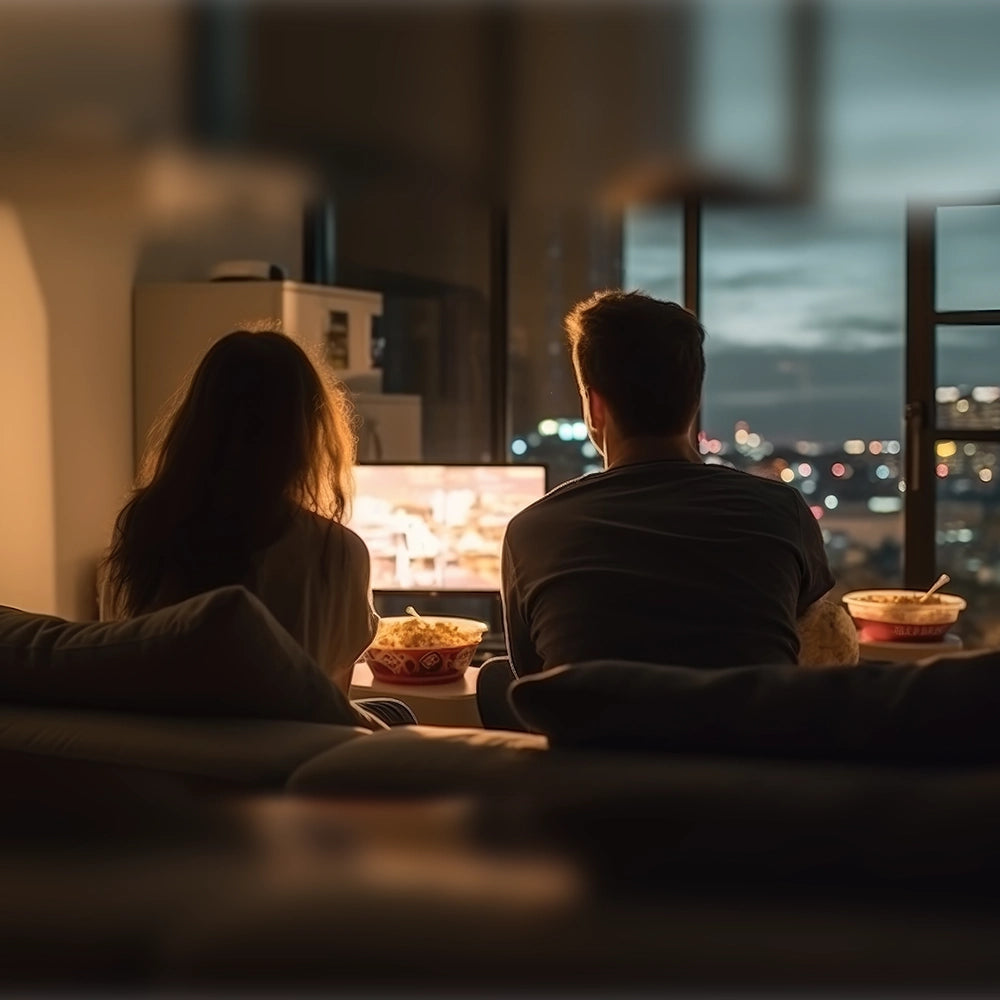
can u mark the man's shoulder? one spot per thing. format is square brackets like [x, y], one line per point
[741, 481]
[551, 505]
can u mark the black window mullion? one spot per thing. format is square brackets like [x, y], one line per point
[970, 317]
[919, 555]
[965, 434]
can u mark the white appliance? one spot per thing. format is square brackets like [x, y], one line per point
[174, 323]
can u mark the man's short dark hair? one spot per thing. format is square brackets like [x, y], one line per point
[643, 355]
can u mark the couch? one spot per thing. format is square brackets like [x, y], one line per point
[841, 834]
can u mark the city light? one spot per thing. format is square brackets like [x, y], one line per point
[579, 431]
[805, 469]
[962, 406]
[817, 512]
[519, 446]
[588, 450]
[986, 393]
[854, 447]
[548, 427]
[986, 475]
[945, 449]
[947, 394]
[741, 436]
[786, 475]
[885, 505]
[875, 447]
[838, 469]
[565, 431]
[883, 472]
[942, 471]
[969, 449]
[892, 447]
[831, 502]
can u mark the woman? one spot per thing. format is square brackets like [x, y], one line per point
[246, 481]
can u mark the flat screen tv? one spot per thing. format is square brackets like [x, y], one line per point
[438, 528]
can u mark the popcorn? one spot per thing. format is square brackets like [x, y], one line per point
[426, 633]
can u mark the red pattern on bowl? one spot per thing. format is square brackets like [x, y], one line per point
[898, 632]
[420, 666]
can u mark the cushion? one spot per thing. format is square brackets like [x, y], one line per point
[424, 760]
[219, 653]
[937, 710]
[252, 752]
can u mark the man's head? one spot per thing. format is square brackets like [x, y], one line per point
[644, 359]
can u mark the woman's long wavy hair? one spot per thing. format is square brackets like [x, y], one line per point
[257, 433]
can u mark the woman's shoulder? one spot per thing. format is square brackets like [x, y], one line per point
[317, 529]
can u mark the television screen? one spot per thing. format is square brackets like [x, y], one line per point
[439, 527]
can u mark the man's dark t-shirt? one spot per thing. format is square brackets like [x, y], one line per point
[669, 562]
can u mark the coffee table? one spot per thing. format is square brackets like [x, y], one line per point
[452, 704]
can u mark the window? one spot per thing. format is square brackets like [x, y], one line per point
[556, 259]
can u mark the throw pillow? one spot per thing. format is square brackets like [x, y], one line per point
[939, 710]
[220, 653]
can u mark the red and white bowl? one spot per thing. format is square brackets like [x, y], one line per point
[427, 662]
[896, 616]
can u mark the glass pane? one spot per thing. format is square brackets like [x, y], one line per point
[556, 259]
[968, 534]
[968, 257]
[803, 309]
[653, 251]
[967, 372]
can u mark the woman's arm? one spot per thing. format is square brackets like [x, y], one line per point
[356, 621]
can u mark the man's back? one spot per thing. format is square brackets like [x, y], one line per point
[666, 561]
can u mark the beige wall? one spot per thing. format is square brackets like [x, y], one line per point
[85, 261]
[27, 543]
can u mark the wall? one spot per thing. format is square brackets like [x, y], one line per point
[27, 544]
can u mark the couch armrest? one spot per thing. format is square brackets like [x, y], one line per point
[259, 753]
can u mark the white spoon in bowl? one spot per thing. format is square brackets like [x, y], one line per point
[411, 610]
[936, 585]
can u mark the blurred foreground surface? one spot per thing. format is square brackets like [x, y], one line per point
[119, 885]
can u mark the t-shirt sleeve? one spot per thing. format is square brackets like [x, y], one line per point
[357, 619]
[517, 632]
[817, 579]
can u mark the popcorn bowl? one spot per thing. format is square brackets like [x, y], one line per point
[432, 649]
[898, 615]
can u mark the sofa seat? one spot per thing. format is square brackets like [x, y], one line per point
[241, 752]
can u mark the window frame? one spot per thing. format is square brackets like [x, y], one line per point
[922, 431]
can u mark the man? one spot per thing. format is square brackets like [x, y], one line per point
[658, 558]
